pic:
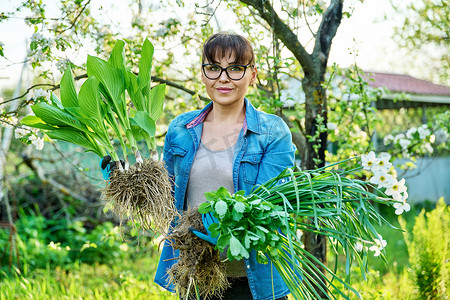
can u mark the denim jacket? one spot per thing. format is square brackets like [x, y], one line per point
[264, 148]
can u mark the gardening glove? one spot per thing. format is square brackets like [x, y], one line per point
[208, 219]
[108, 165]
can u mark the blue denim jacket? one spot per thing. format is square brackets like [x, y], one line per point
[264, 148]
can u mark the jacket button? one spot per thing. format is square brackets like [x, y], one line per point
[248, 266]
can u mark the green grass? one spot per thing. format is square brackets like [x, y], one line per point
[128, 280]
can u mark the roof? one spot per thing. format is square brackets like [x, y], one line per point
[406, 84]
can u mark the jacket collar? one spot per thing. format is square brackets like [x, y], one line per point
[251, 121]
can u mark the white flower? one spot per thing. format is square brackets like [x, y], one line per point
[379, 245]
[400, 207]
[388, 139]
[41, 93]
[424, 132]
[398, 137]
[427, 147]
[382, 163]
[38, 143]
[404, 143]
[20, 133]
[368, 160]
[358, 246]
[410, 132]
[331, 126]
[396, 189]
[382, 178]
[36, 37]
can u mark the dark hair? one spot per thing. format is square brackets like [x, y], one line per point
[220, 44]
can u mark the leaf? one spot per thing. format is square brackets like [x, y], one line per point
[111, 78]
[35, 122]
[144, 121]
[76, 137]
[68, 92]
[145, 65]
[157, 101]
[221, 208]
[235, 246]
[116, 58]
[204, 208]
[210, 196]
[89, 99]
[54, 116]
[55, 101]
[239, 207]
[135, 94]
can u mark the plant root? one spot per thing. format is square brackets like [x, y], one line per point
[198, 263]
[143, 194]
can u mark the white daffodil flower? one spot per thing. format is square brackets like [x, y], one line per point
[379, 245]
[382, 178]
[368, 160]
[359, 246]
[396, 189]
[401, 207]
[382, 162]
[410, 132]
[404, 143]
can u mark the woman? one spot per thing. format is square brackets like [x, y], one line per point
[231, 144]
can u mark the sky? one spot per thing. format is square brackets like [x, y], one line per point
[366, 31]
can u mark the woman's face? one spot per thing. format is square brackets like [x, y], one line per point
[223, 90]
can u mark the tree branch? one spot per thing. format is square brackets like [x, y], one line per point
[327, 30]
[283, 32]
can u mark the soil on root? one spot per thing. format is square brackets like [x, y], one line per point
[143, 194]
[198, 266]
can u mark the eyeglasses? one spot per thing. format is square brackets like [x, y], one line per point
[234, 72]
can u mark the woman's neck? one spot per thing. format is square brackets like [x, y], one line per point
[231, 114]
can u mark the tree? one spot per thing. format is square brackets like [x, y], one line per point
[424, 31]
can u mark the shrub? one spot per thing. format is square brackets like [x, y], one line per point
[429, 251]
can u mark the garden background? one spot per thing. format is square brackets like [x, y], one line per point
[57, 240]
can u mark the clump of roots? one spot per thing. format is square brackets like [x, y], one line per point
[198, 266]
[143, 193]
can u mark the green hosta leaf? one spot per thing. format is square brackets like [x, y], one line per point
[35, 122]
[54, 116]
[144, 121]
[111, 78]
[89, 99]
[138, 133]
[157, 100]
[221, 208]
[116, 58]
[135, 94]
[145, 65]
[76, 137]
[68, 92]
[55, 101]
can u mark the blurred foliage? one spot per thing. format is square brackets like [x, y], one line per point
[429, 250]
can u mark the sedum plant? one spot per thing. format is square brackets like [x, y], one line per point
[115, 104]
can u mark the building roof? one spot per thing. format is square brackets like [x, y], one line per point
[406, 84]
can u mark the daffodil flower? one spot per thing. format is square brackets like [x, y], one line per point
[379, 245]
[368, 160]
[382, 178]
[382, 162]
[401, 207]
[396, 189]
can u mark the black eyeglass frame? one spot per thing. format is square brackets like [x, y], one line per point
[226, 70]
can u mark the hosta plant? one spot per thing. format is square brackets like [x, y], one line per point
[115, 104]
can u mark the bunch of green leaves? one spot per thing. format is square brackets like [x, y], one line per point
[101, 112]
[321, 201]
[246, 223]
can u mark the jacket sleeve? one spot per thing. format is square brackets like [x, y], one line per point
[279, 152]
